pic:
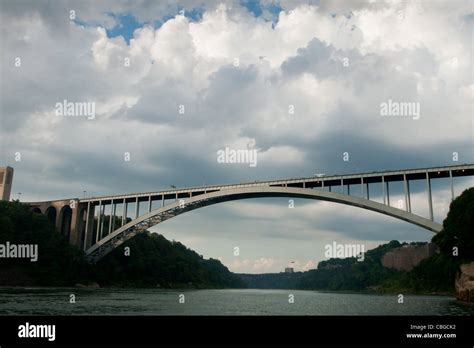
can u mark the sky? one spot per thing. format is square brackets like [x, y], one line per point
[301, 82]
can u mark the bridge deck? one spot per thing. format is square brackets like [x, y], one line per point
[307, 182]
[79, 219]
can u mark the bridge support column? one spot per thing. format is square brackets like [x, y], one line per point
[112, 213]
[102, 223]
[452, 184]
[430, 201]
[362, 186]
[405, 188]
[388, 193]
[124, 212]
[322, 185]
[162, 200]
[348, 189]
[98, 222]
[408, 194]
[342, 187]
[383, 190]
[367, 190]
[58, 219]
[149, 203]
[89, 226]
[137, 208]
[76, 225]
[86, 233]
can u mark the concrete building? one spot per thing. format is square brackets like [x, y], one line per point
[6, 179]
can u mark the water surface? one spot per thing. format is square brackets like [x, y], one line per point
[55, 301]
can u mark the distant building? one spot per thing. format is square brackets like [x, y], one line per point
[289, 270]
[6, 179]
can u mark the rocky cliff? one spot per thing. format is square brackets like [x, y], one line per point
[465, 283]
[407, 256]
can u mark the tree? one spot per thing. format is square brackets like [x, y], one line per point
[458, 228]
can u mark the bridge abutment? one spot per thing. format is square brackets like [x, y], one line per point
[65, 216]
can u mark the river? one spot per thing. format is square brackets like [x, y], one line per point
[56, 301]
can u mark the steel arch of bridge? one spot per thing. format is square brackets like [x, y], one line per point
[154, 217]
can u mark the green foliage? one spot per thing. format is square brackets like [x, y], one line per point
[434, 274]
[58, 263]
[438, 272]
[458, 228]
[349, 274]
[333, 275]
[155, 261]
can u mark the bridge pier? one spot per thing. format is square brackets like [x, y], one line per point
[408, 194]
[405, 189]
[67, 220]
[97, 234]
[102, 222]
[388, 192]
[430, 202]
[112, 215]
[89, 230]
[383, 189]
[452, 184]
[124, 212]
[137, 207]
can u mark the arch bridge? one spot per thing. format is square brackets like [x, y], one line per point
[94, 225]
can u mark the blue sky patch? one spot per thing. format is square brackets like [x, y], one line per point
[271, 10]
[126, 26]
[128, 23]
